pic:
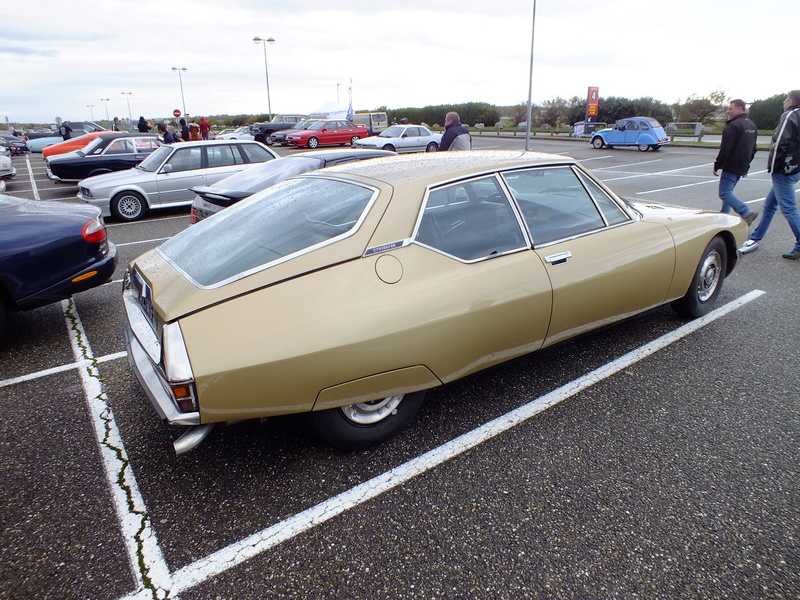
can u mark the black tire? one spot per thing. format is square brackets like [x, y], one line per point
[432, 147]
[598, 142]
[389, 148]
[354, 139]
[313, 142]
[643, 147]
[359, 426]
[128, 206]
[707, 281]
[268, 140]
[655, 147]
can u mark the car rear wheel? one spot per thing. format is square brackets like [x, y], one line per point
[313, 142]
[128, 206]
[362, 425]
[354, 139]
[707, 281]
[432, 147]
[655, 147]
[643, 147]
[389, 148]
[598, 142]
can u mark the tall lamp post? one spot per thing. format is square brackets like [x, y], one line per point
[530, 85]
[91, 112]
[105, 101]
[257, 40]
[127, 97]
[180, 78]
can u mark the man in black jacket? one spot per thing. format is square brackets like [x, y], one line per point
[456, 136]
[736, 152]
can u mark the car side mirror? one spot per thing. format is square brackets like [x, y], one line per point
[167, 169]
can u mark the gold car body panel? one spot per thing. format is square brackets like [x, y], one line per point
[344, 324]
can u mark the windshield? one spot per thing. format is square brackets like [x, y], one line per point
[393, 131]
[152, 162]
[292, 217]
[318, 125]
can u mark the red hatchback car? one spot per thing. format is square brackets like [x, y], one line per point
[326, 133]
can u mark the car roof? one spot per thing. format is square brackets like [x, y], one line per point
[337, 153]
[192, 143]
[429, 168]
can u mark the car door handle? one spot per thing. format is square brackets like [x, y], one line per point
[558, 259]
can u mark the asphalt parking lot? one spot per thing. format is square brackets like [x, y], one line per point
[653, 459]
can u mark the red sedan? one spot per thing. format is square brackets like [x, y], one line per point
[326, 133]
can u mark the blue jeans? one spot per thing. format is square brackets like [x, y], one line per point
[727, 181]
[782, 194]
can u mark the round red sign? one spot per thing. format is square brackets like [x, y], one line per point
[176, 112]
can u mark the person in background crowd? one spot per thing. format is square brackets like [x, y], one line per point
[185, 136]
[194, 131]
[143, 126]
[166, 135]
[736, 152]
[456, 136]
[65, 130]
[205, 127]
[784, 165]
[115, 125]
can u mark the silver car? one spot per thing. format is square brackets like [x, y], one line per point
[402, 139]
[163, 179]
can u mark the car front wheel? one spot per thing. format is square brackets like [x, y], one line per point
[313, 142]
[598, 142]
[432, 147]
[268, 140]
[128, 206]
[366, 424]
[707, 282]
[389, 148]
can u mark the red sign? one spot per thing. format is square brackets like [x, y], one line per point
[592, 104]
[176, 112]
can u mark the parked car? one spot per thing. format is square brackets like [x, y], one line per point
[48, 252]
[163, 179]
[213, 198]
[105, 154]
[79, 128]
[14, 144]
[326, 133]
[279, 137]
[263, 131]
[643, 132]
[7, 169]
[402, 139]
[72, 144]
[242, 133]
[347, 292]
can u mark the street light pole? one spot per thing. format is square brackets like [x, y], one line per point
[530, 84]
[105, 101]
[180, 78]
[127, 97]
[91, 112]
[257, 40]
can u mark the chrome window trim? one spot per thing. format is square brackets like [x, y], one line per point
[375, 192]
[511, 202]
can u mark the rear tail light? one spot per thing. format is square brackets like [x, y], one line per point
[193, 217]
[178, 369]
[94, 231]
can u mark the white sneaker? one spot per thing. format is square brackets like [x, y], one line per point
[749, 246]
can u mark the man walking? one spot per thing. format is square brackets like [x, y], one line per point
[736, 152]
[784, 165]
[456, 136]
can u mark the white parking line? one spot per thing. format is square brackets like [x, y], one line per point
[165, 584]
[33, 180]
[141, 242]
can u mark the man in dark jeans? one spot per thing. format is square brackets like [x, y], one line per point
[736, 152]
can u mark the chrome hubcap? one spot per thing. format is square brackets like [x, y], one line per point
[367, 413]
[710, 274]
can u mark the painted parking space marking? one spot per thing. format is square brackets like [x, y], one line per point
[33, 179]
[150, 569]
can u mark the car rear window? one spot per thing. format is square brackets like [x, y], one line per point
[288, 219]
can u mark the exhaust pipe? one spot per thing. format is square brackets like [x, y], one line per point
[192, 438]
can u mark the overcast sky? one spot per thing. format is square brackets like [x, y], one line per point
[57, 57]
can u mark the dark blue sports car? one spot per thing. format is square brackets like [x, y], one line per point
[104, 154]
[50, 251]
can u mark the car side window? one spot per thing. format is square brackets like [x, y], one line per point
[633, 126]
[613, 214]
[645, 126]
[470, 220]
[222, 156]
[120, 147]
[255, 153]
[554, 203]
[146, 144]
[186, 159]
